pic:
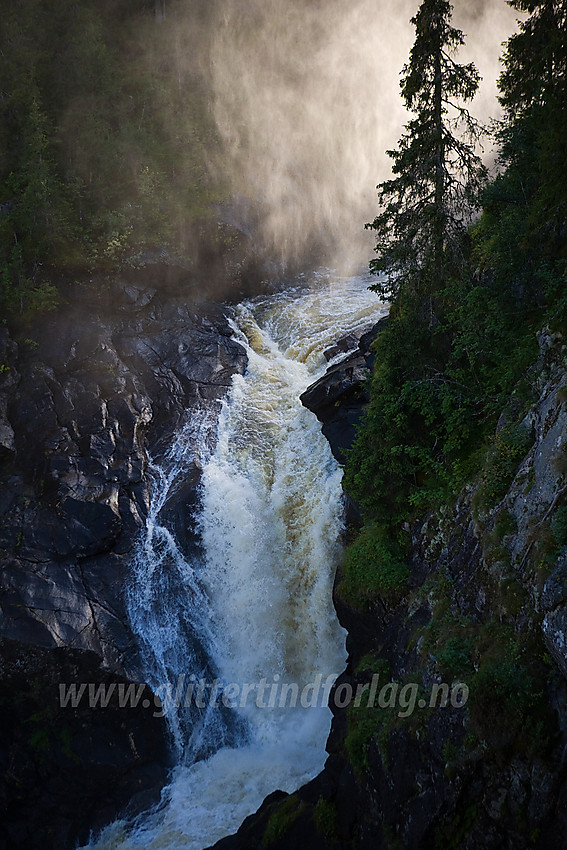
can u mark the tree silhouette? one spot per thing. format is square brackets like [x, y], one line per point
[427, 206]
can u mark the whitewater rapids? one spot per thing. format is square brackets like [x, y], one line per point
[256, 603]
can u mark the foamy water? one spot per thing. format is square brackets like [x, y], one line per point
[256, 606]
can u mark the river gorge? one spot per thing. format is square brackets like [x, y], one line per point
[228, 579]
[172, 516]
[283, 558]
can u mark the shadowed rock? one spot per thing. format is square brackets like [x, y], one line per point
[339, 397]
[80, 411]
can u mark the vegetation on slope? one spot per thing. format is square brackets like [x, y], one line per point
[105, 136]
[450, 389]
[465, 302]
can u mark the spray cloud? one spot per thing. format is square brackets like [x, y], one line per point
[306, 99]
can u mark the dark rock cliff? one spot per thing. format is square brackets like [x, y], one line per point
[339, 397]
[83, 399]
[485, 608]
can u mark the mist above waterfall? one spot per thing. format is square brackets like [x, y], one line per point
[306, 99]
[150, 134]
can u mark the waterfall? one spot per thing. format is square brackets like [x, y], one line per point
[169, 609]
[250, 612]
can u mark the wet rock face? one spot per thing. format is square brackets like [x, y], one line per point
[82, 407]
[83, 404]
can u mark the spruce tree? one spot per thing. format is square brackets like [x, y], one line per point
[426, 206]
[535, 59]
[533, 134]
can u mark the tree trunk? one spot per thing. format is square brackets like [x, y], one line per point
[439, 225]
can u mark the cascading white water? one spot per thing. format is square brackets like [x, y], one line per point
[255, 610]
[169, 610]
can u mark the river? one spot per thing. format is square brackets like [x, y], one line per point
[240, 636]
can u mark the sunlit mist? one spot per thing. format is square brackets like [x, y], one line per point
[307, 101]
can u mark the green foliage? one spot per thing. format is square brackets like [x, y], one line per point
[454, 658]
[326, 819]
[449, 638]
[372, 569]
[493, 341]
[371, 663]
[508, 447]
[104, 139]
[504, 524]
[393, 459]
[434, 398]
[525, 208]
[20, 294]
[282, 819]
[496, 551]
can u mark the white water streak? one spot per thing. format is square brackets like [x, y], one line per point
[167, 606]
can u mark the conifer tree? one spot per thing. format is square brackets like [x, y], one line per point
[533, 88]
[535, 60]
[426, 206]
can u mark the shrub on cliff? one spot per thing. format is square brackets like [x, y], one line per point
[373, 569]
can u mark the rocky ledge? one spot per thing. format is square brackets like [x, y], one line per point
[85, 396]
[338, 398]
